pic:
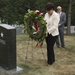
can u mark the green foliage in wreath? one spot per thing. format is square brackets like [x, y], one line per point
[35, 31]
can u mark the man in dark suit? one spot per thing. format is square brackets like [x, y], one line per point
[62, 16]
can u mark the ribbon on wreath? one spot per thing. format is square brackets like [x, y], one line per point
[36, 29]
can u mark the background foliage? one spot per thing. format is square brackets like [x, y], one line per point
[13, 11]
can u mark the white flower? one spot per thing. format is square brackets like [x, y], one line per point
[34, 32]
[33, 27]
[29, 10]
[37, 11]
[41, 14]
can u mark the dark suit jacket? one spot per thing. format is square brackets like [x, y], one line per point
[62, 19]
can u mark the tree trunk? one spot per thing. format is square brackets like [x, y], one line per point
[69, 17]
[1, 19]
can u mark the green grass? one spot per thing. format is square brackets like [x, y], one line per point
[36, 63]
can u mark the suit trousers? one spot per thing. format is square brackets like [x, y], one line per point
[61, 35]
[50, 41]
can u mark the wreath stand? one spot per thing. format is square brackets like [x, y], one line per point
[32, 54]
[36, 28]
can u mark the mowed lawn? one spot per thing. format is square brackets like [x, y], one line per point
[36, 64]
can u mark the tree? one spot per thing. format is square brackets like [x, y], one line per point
[14, 10]
[69, 17]
[2, 7]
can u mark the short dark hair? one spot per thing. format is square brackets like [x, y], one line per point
[49, 6]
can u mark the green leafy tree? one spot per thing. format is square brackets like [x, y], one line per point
[12, 11]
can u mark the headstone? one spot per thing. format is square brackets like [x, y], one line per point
[10, 72]
[19, 29]
[7, 47]
[73, 29]
[65, 29]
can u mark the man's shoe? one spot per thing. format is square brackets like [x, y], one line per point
[58, 46]
[63, 46]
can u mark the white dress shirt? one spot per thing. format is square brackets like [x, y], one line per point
[52, 23]
[59, 13]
